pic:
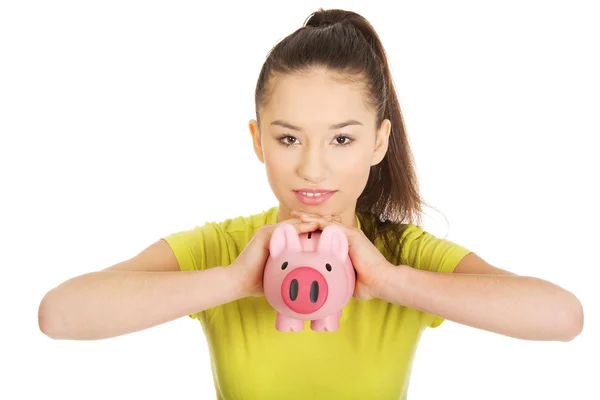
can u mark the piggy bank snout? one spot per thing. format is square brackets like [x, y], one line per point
[304, 290]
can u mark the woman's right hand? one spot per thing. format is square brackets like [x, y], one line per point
[248, 267]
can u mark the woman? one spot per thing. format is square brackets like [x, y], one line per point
[328, 121]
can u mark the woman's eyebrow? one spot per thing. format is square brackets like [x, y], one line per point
[334, 126]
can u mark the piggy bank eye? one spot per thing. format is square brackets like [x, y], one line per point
[284, 265]
[328, 266]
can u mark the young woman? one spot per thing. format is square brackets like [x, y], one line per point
[330, 133]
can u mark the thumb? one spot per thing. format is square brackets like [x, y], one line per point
[259, 250]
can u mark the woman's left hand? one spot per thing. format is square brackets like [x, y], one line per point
[370, 265]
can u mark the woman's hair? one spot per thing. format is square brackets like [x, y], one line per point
[344, 42]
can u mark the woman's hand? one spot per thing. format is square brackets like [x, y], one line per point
[248, 268]
[371, 266]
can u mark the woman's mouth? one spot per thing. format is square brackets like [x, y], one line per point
[313, 199]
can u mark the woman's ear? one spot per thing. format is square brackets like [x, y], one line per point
[256, 143]
[381, 142]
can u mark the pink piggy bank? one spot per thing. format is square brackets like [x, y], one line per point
[308, 276]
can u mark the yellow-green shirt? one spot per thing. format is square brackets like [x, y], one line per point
[369, 357]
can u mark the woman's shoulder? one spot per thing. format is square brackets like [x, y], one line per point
[251, 221]
[238, 229]
[413, 242]
[215, 242]
[230, 226]
[404, 230]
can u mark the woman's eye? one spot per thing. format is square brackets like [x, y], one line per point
[288, 141]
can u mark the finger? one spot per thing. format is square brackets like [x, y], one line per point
[300, 226]
[350, 232]
[309, 218]
[306, 227]
[321, 223]
[310, 222]
[314, 218]
[299, 214]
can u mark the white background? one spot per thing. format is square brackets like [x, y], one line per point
[120, 121]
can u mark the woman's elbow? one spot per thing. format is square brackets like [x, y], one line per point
[574, 321]
[48, 317]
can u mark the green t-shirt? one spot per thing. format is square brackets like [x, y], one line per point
[368, 357]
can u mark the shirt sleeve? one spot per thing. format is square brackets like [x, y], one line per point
[199, 248]
[424, 251]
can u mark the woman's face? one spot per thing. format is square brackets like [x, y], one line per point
[302, 147]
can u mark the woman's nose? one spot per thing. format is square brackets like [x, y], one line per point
[313, 167]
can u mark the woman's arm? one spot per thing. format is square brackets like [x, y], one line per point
[136, 294]
[518, 306]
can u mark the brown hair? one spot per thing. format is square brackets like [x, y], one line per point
[345, 42]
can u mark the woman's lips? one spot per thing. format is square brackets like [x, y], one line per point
[313, 200]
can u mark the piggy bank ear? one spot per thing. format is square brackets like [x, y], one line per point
[284, 237]
[333, 240]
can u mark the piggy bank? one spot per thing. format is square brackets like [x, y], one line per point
[308, 276]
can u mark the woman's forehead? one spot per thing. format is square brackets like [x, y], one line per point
[316, 97]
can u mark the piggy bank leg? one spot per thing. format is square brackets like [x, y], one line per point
[330, 323]
[287, 324]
